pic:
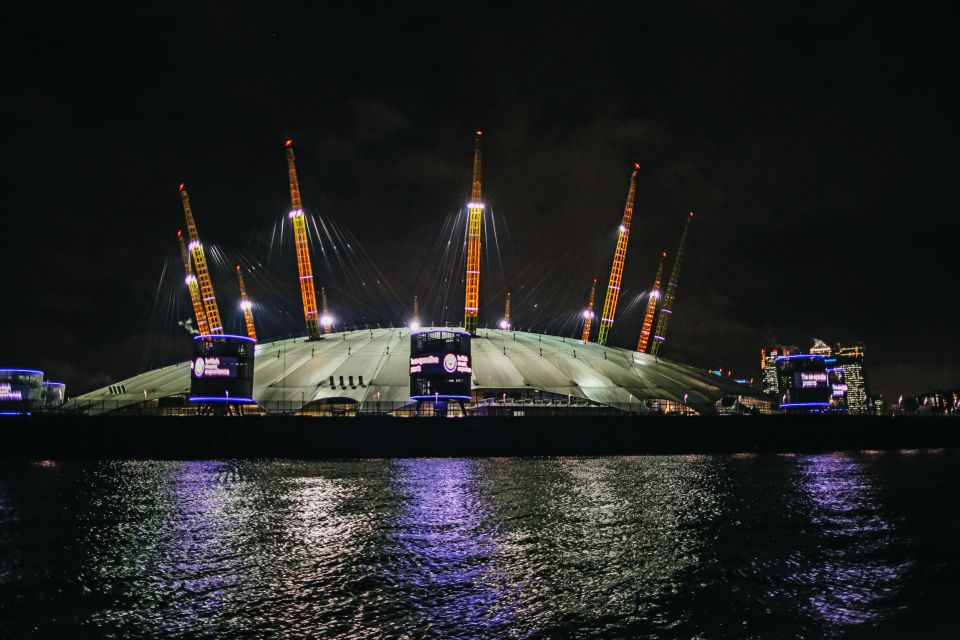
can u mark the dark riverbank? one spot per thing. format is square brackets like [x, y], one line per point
[376, 437]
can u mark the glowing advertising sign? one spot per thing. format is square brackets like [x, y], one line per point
[806, 381]
[463, 364]
[222, 369]
[811, 379]
[215, 367]
[416, 364]
[440, 364]
[21, 388]
[839, 389]
[450, 362]
[7, 392]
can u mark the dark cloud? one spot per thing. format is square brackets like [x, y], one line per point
[376, 121]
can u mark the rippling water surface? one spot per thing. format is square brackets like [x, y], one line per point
[859, 544]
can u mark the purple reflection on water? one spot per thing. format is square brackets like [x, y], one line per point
[194, 558]
[852, 570]
[446, 541]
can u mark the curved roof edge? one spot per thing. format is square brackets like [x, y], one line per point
[372, 365]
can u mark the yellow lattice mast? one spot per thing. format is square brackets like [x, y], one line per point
[619, 256]
[200, 262]
[474, 224]
[505, 323]
[246, 305]
[670, 295]
[193, 287]
[651, 308]
[326, 319]
[588, 314]
[415, 323]
[307, 292]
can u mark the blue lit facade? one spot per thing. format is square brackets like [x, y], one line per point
[222, 369]
[54, 394]
[440, 365]
[838, 384]
[23, 391]
[804, 383]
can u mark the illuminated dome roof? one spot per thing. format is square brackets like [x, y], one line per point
[373, 365]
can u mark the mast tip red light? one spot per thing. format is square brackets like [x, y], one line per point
[636, 165]
[288, 143]
[183, 186]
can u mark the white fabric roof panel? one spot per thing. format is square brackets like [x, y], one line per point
[298, 371]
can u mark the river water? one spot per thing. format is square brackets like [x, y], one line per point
[860, 544]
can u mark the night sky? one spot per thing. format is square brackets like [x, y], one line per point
[817, 146]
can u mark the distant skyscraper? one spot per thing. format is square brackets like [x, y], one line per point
[877, 406]
[768, 371]
[838, 396]
[849, 361]
[820, 348]
[768, 367]
[794, 378]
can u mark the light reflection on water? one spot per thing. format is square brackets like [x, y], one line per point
[854, 570]
[691, 546]
[444, 540]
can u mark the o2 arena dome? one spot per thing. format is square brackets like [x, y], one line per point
[368, 371]
[401, 372]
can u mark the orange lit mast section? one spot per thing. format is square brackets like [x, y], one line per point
[651, 308]
[619, 256]
[192, 286]
[203, 274]
[475, 206]
[246, 305]
[588, 314]
[666, 311]
[307, 292]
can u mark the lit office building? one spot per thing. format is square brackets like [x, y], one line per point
[769, 382]
[768, 371]
[849, 363]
